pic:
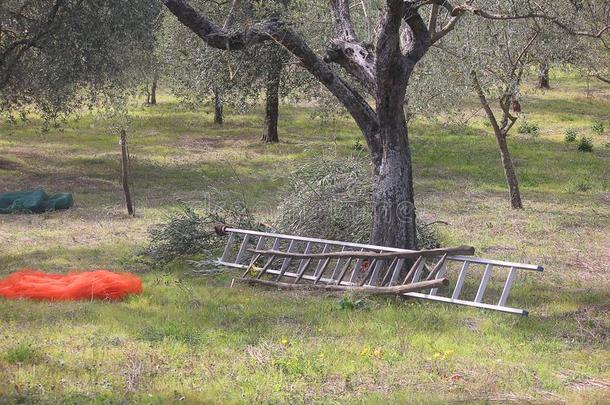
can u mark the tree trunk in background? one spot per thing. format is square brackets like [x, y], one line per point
[218, 117]
[509, 172]
[272, 106]
[125, 173]
[393, 202]
[543, 76]
[500, 133]
[152, 100]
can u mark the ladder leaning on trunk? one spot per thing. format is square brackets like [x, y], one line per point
[289, 261]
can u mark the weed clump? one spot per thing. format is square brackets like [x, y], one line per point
[530, 128]
[570, 135]
[598, 127]
[23, 353]
[585, 144]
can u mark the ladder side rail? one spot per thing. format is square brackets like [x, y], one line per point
[468, 303]
[318, 240]
[496, 263]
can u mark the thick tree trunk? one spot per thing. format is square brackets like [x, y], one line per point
[218, 117]
[272, 108]
[509, 172]
[125, 173]
[543, 76]
[393, 202]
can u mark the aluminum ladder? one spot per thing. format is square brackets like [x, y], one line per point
[313, 260]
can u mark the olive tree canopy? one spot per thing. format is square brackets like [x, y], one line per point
[56, 55]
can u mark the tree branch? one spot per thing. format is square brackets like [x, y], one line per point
[416, 35]
[603, 79]
[345, 50]
[484, 102]
[495, 16]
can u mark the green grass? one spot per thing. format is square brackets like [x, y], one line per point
[195, 339]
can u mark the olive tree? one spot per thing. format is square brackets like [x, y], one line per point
[352, 67]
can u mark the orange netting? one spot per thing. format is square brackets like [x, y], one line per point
[98, 284]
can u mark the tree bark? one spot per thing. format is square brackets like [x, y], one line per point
[125, 173]
[543, 76]
[218, 107]
[274, 75]
[509, 172]
[393, 197]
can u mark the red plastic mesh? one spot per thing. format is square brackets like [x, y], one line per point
[97, 284]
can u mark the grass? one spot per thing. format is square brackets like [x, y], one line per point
[194, 339]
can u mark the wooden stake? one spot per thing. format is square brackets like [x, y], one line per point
[125, 173]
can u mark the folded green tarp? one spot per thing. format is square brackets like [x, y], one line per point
[35, 201]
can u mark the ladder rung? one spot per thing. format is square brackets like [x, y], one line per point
[439, 274]
[242, 248]
[509, 282]
[460, 281]
[437, 267]
[228, 246]
[376, 271]
[307, 250]
[265, 267]
[418, 271]
[319, 276]
[252, 262]
[357, 268]
[413, 269]
[302, 270]
[397, 270]
[286, 261]
[389, 272]
[336, 269]
[344, 271]
[321, 261]
[483, 285]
